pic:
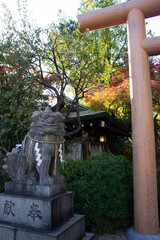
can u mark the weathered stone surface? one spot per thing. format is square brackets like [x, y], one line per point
[6, 233]
[35, 189]
[73, 229]
[37, 159]
[36, 212]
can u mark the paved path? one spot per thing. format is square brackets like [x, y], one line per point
[120, 235]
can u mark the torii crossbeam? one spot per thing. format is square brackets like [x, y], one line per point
[144, 161]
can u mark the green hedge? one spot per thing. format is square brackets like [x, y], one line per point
[3, 177]
[102, 187]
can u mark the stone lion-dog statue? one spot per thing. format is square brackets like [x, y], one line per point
[37, 159]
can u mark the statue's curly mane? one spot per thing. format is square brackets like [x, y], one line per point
[47, 123]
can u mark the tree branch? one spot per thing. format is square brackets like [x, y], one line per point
[119, 52]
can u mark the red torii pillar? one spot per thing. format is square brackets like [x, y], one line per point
[144, 161]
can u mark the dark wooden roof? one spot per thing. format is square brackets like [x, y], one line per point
[96, 117]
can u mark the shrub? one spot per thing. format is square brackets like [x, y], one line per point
[102, 187]
[3, 178]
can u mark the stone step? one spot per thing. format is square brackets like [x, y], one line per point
[88, 236]
[73, 229]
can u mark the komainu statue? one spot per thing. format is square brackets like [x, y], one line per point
[37, 159]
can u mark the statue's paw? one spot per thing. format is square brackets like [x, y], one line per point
[31, 180]
[46, 180]
[28, 180]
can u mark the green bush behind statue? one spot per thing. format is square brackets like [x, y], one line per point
[3, 177]
[102, 187]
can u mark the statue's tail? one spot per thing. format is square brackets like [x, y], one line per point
[10, 156]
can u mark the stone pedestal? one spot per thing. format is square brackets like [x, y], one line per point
[131, 234]
[35, 189]
[24, 217]
[37, 212]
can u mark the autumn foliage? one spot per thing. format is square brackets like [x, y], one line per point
[113, 99]
[116, 98]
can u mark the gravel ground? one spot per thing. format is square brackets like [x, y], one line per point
[120, 235]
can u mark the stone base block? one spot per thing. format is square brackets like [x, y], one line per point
[131, 234]
[88, 236]
[35, 189]
[73, 229]
[37, 212]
